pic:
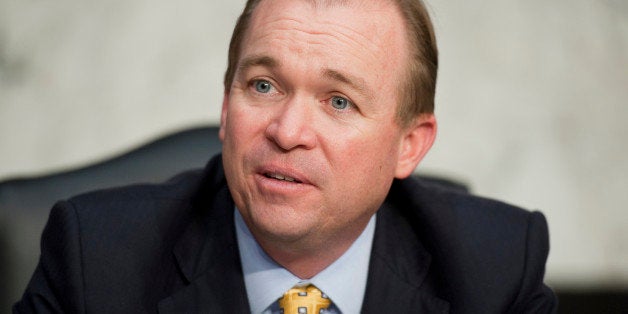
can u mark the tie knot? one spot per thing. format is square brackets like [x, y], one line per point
[304, 300]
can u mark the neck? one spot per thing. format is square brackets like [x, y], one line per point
[304, 264]
[305, 258]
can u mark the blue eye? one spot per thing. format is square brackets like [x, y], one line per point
[262, 86]
[340, 103]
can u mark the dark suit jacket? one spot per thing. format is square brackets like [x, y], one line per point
[172, 248]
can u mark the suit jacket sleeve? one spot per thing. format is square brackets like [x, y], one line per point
[534, 296]
[57, 285]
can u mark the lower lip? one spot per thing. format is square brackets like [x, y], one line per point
[275, 186]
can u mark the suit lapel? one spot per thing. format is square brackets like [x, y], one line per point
[398, 280]
[208, 258]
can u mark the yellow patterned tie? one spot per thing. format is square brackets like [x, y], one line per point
[303, 300]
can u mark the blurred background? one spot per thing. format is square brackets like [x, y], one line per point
[531, 101]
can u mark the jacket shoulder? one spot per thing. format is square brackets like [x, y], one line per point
[143, 201]
[464, 213]
[117, 244]
[179, 188]
[488, 254]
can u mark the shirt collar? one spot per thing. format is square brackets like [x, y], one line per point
[344, 281]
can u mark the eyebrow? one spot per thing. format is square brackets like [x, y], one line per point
[353, 82]
[253, 61]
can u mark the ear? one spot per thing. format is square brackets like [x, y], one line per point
[223, 116]
[416, 141]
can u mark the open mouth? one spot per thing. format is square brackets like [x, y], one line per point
[281, 177]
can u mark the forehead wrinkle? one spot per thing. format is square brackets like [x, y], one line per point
[349, 35]
[294, 29]
[322, 31]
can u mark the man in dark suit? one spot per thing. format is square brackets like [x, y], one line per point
[328, 109]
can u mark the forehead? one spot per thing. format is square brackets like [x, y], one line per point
[369, 22]
[368, 35]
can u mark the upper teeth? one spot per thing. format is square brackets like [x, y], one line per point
[281, 177]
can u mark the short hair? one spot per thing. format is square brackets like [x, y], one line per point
[417, 89]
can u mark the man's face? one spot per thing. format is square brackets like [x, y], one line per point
[310, 142]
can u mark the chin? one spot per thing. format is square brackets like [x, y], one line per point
[280, 223]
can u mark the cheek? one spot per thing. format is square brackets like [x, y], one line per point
[235, 140]
[362, 178]
[382, 152]
[364, 160]
[241, 124]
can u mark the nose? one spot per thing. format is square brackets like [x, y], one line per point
[292, 127]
